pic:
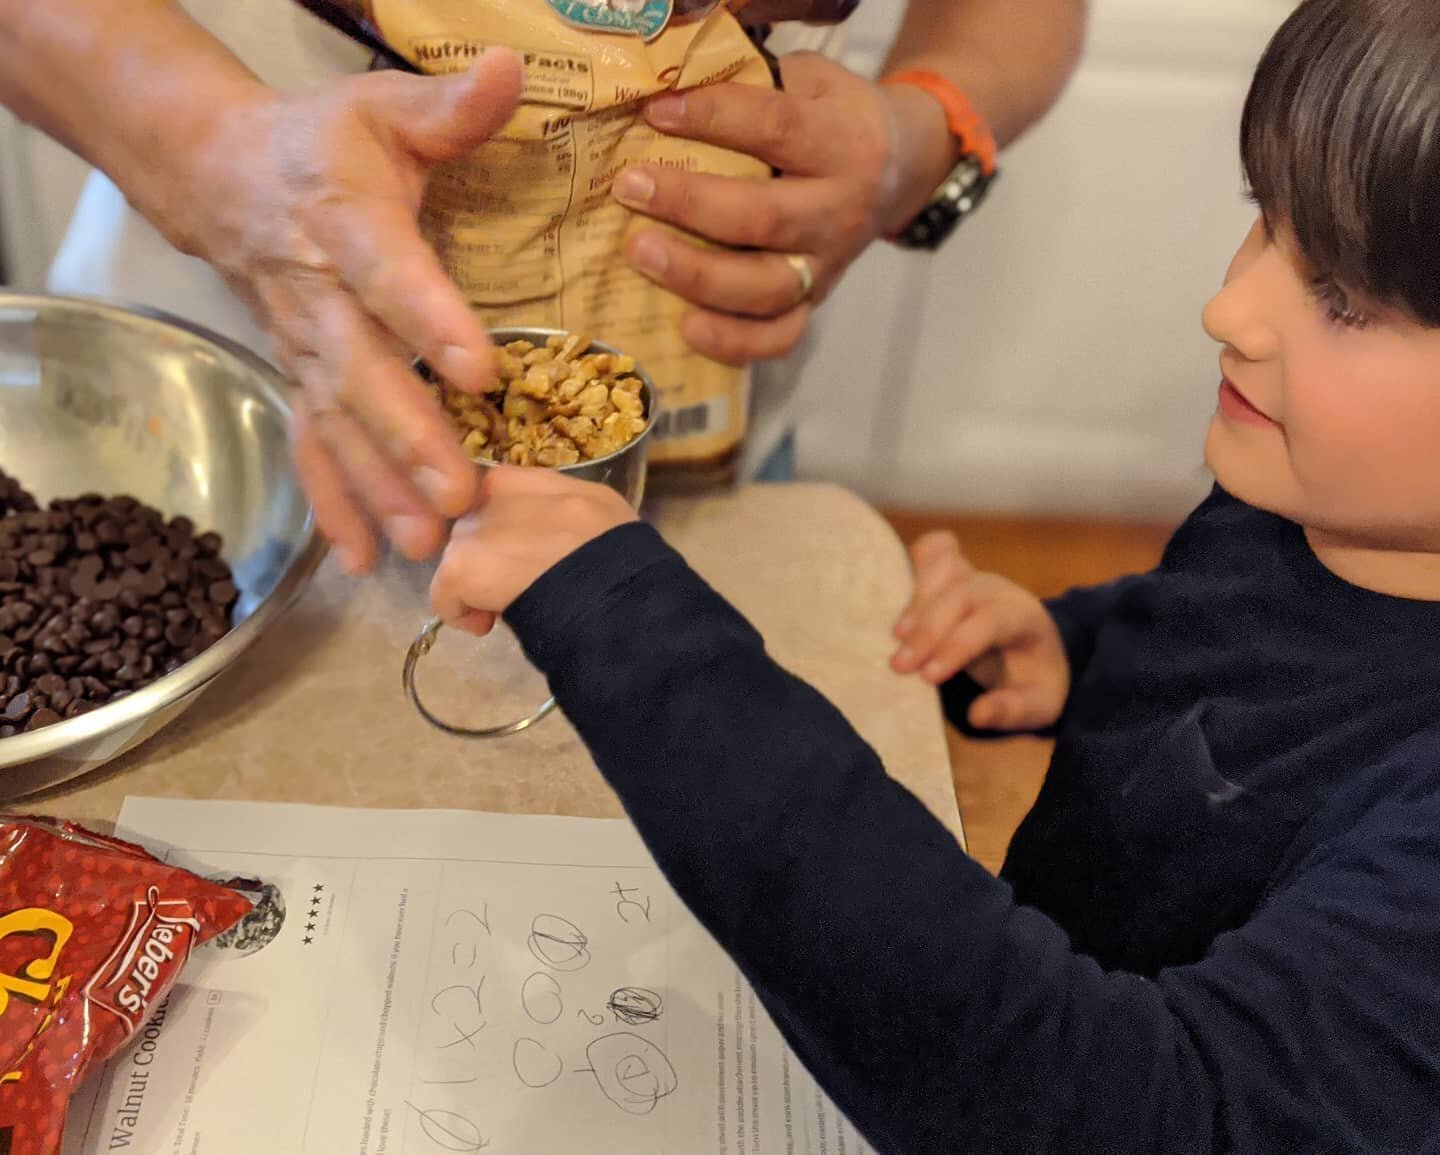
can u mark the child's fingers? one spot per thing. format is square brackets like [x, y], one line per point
[477, 622]
[1007, 709]
[938, 563]
[935, 622]
[447, 596]
[924, 624]
[469, 584]
[931, 548]
[965, 643]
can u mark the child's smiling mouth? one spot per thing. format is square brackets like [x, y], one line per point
[1235, 406]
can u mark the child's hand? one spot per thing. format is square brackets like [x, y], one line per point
[959, 618]
[526, 520]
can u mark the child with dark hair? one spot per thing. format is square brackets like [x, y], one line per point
[1219, 928]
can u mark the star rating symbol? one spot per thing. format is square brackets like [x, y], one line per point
[315, 903]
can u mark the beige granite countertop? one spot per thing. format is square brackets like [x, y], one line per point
[315, 711]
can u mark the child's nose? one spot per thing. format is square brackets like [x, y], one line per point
[1235, 317]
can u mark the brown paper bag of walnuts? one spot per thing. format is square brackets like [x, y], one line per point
[527, 226]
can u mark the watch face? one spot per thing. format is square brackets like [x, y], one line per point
[961, 194]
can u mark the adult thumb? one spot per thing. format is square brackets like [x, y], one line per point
[443, 118]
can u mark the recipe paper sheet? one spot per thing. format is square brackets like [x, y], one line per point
[447, 982]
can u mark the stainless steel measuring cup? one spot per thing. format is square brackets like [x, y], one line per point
[623, 471]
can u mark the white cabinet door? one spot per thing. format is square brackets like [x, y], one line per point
[1051, 356]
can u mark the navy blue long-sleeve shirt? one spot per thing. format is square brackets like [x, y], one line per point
[1218, 929]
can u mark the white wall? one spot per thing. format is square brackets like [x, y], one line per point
[39, 184]
[1051, 357]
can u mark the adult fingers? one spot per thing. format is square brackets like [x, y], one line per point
[339, 517]
[742, 341]
[376, 247]
[784, 215]
[745, 284]
[787, 131]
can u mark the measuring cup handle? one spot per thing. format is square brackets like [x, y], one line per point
[422, 645]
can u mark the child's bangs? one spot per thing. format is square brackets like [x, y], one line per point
[1341, 142]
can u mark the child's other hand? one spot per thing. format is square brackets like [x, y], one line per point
[1001, 635]
[526, 520]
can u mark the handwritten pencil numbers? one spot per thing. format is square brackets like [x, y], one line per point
[458, 1012]
[541, 999]
[629, 1071]
[558, 943]
[467, 926]
[481, 920]
[462, 1009]
[535, 1066]
[634, 1006]
[449, 1131]
[628, 908]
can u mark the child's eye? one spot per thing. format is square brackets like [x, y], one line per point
[1333, 299]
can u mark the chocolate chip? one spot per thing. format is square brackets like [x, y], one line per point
[44, 717]
[98, 597]
[50, 684]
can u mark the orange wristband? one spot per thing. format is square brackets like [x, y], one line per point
[963, 118]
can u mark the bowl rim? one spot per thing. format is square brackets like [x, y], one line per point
[502, 335]
[130, 713]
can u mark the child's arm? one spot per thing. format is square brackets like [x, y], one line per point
[939, 1015]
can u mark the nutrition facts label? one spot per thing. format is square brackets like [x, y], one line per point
[417, 983]
[527, 225]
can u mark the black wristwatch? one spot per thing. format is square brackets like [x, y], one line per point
[961, 194]
[963, 191]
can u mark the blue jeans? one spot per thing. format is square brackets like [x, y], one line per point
[780, 465]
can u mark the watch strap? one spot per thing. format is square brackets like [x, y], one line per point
[961, 116]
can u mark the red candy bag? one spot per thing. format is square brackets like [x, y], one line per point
[93, 934]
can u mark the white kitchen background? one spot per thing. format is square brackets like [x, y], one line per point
[1050, 359]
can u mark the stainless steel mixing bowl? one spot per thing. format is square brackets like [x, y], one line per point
[96, 398]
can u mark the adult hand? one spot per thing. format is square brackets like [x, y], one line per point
[307, 205]
[526, 520]
[856, 161]
[1002, 635]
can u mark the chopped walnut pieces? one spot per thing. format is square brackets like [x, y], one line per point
[551, 405]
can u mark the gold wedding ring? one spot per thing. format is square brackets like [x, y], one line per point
[804, 272]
